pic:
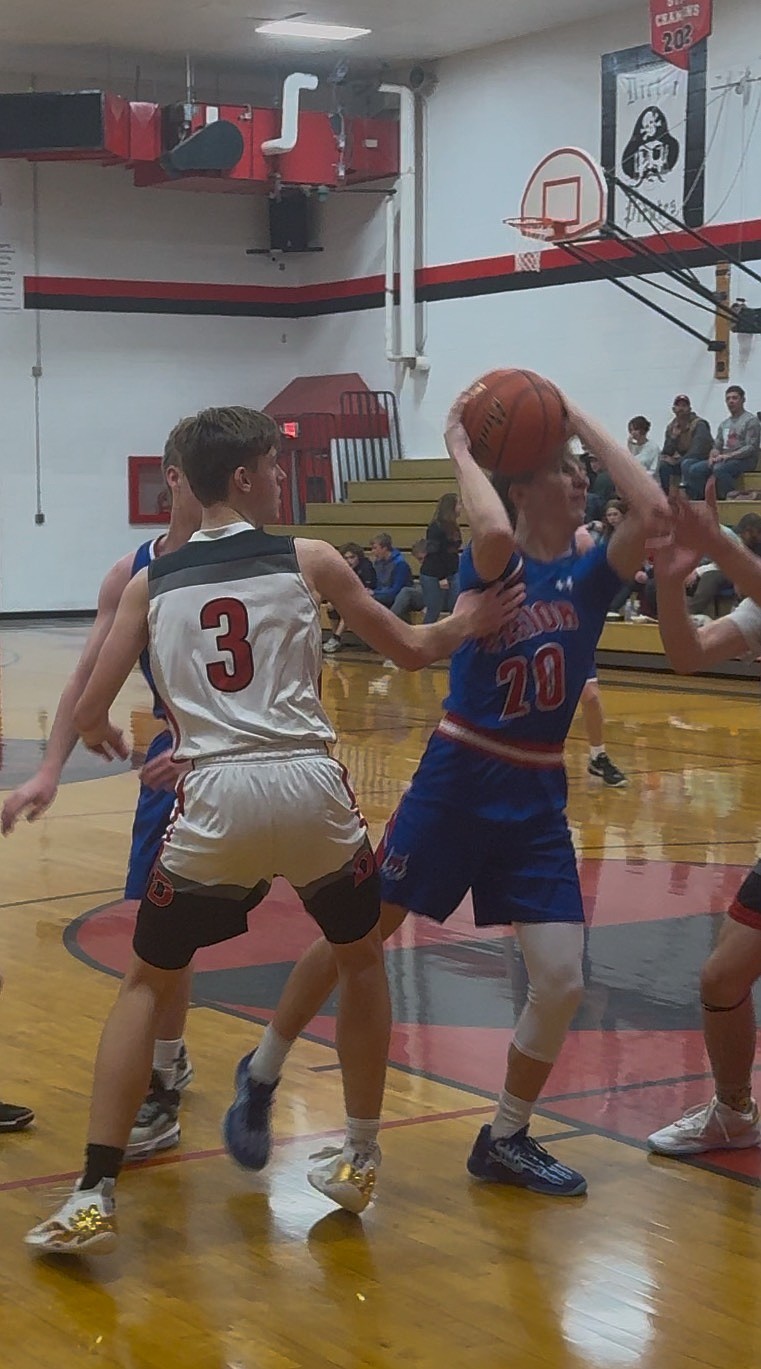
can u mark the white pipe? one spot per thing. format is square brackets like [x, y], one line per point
[407, 220]
[391, 353]
[289, 128]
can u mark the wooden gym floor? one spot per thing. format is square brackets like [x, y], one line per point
[657, 1268]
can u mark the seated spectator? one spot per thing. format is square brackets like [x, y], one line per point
[688, 440]
[391, 569]
[410, 599]
[601, 489]
[642, 449]
[707, 582]
[362, 566]
[440, 571]
[737, 449]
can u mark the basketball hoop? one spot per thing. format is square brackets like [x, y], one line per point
[545, 230]
[565, 199]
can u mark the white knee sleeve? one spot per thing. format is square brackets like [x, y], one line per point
[553, 954]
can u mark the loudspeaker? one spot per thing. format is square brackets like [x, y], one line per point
[293, 223]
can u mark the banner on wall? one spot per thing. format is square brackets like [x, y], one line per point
[675, 29]
[654, 137]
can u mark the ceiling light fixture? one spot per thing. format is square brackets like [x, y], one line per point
[303, 28]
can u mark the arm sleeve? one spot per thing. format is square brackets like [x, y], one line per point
[747, 617]
[401, 577]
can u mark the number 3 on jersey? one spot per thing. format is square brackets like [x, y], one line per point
[548, 669]
[237, 671]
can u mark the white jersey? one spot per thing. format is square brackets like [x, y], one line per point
[235, 646]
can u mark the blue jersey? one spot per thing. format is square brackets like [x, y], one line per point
[525, 685]
[143, 557]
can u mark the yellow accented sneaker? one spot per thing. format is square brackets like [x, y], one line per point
[347, 1177]
[85, 1225]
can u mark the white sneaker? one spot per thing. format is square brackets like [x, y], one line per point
[85, 1225]
[345, 1177]
[713, 1127]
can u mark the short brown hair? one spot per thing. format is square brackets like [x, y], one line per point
[217, 441]
[173, 448]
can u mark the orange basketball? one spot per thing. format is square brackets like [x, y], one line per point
[515, 420]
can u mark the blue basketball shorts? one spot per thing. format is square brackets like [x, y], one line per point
[154, 809]
[438, 846]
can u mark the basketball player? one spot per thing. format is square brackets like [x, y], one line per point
[599, 765]
[232, 625]
[156, 1126]
[730, 1121]
[486, 809]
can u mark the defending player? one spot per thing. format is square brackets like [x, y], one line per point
[156, 1126]
[486, 809]
[730, 1121]
[233, 629]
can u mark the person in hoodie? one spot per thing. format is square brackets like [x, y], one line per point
[392, 572]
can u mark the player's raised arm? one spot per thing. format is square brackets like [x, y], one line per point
[120, 651]
[493, 540]
[477, 614]
[32, 799]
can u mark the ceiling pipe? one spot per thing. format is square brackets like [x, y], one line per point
[289, 130]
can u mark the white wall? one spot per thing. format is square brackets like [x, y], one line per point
[114, 384]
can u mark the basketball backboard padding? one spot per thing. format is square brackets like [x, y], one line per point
[568, 188]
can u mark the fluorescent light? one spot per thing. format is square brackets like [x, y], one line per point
[302, 28]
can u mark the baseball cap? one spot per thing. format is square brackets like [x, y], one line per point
[683, 399]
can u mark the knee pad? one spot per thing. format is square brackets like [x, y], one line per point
[551, 1007]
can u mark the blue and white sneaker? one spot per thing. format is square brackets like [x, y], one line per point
[522, 1162]
[247, 1124]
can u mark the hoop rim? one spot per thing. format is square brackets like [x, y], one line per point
[539, 229]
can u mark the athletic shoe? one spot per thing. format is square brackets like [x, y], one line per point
[333, 644]
[603, 769]
[14, 1118]
[247, 1124]
[85, 1225]
[183, 1070]
[347, 1177]
[522, 1162]
[156, 1126]
[713, 1127]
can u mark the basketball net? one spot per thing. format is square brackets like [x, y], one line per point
[543, 230]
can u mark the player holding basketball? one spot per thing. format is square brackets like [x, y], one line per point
[730, 1121]
[156, 1126]
[232, 625]
[486, 809]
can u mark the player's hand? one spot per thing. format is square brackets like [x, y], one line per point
[489, 610]
[107, 741]
[29, 801]
[161, 772]
[696, 522]
[455, 436]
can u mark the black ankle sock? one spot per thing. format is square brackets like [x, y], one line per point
[101, 1162]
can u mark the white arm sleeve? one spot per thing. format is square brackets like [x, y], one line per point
[747, 616]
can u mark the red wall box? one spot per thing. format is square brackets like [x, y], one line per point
[149, 500]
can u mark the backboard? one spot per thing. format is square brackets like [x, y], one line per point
[566, 197]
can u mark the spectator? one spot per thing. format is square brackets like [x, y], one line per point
[391, 569]
[440, 569]
[642, 449]
[362, 566]
[688, 440]
[601, 489]
[738, 443]
[410, 599]
[707, 583]
[615, 512]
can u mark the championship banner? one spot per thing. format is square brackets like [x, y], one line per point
[675, 29]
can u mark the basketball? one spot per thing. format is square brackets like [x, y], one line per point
[515, 421]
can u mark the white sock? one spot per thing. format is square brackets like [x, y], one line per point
[361, 1134]
[165, 1055]
[595, 752]
[267, 1062]
[512, 1115]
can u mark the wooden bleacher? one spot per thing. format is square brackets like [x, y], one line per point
[403, 506]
